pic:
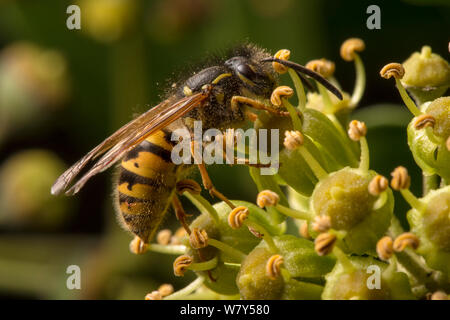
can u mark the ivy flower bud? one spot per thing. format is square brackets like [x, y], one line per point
[356, 130]
[404, 240]
[273, 266]
[181, 264]
[350, 47]
[282, 54]
[427, 75]
[324, 67]
[267, 198]
[279, 93]
[385, 248]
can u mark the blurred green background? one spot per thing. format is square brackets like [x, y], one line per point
[63, 91]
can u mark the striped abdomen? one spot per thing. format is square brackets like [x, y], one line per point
[146, 184]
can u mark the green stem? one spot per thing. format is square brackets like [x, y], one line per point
[430, 182]
[364, 162]
[407, 100]
[343, 259]
[203, 205]
[360, 83]
[204, 266]
[266, 235]
[180, 294]
[412, 200]
[326, 99]
[299, 89]
[293, 213]
[229, 250]
[315, 166]
[296, 122]
[167, 249]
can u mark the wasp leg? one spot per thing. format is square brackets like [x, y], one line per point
[206, 180]
[236, 100]
[180, 213]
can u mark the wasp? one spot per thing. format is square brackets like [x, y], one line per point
[220, 96]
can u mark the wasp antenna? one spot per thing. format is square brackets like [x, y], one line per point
[305, 82]
[303, 70]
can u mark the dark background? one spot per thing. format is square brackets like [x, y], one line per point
[119, 64]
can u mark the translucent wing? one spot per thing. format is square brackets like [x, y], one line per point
[126, 138]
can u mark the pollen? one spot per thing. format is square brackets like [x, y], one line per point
[282, 54]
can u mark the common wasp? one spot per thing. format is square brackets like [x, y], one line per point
[220, 96]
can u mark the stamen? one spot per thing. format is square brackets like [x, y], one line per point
[198, 238]
[154, 295]
[237, 216]
[167, 249]
[293, 139]
[165, 289]
[324, 243]
[180, 233]
[424, 121]
[180, 294]
[188, 185]
[439, 295]
[378, 185]
[273, 266]
[397, 71]
[404, 240]
[204, 266]
[181, 264]
[280, 93]
[137, 246]
[321, 224]
[385, 248]
[227, 249]
[357, 132]
[282, 54]
[267, 198]
[303, 230]
[163, 237]
[322, 66]
[400, 178]
[350, 47]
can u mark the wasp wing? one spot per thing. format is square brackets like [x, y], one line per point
[126, 138]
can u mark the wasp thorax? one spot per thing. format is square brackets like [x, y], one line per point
[344, 197]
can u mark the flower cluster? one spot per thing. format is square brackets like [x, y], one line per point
[343, 209]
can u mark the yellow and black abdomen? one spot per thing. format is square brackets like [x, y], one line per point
[146, 183]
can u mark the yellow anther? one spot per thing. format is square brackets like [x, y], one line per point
[400, 178]
[378, 184]
[198, 238]
[356, 130]
[303, 230]
[293, 139]
[322, 66]
[279, 93]
[385, 248]
[404, 240]
[324, 243]
[163, 237]
[321, 224]
[137, 246]
[439, 295]
[154, 295]
[350, 47]
[267, 198]
[181, 264]
[395, 70]
[188, 185]
[180, 233]
[423, 121]
[237, 216]
[166, 289]
[273, 266]
[282, 54]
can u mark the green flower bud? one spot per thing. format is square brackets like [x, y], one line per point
[428, 145]
[344, 197]
[361, 281]
[299, 290]
[427, 75]
[253, 281]
[432, 225]
[25, 181]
